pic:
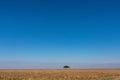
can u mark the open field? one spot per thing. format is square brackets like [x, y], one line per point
[59, 74]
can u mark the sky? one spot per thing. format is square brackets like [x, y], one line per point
[59, 32]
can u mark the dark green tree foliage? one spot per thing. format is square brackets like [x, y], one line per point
[66, 67]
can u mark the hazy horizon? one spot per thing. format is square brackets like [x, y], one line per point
[40, 65]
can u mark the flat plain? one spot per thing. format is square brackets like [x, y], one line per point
[59, 74]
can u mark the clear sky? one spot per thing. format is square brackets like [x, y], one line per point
[59, 31]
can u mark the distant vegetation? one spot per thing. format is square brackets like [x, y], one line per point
[60, 75]
[66, 67]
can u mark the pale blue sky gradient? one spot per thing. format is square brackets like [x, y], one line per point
[60, 31]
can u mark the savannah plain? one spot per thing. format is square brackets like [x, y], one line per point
[59, 74]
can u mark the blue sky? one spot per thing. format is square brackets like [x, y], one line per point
[59, 31]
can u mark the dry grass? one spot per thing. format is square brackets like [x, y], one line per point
[59, 74]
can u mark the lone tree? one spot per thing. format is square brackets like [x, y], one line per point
[66, 67]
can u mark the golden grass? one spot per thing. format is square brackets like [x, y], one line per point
[59, 74]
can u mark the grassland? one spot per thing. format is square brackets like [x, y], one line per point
[59, 74]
